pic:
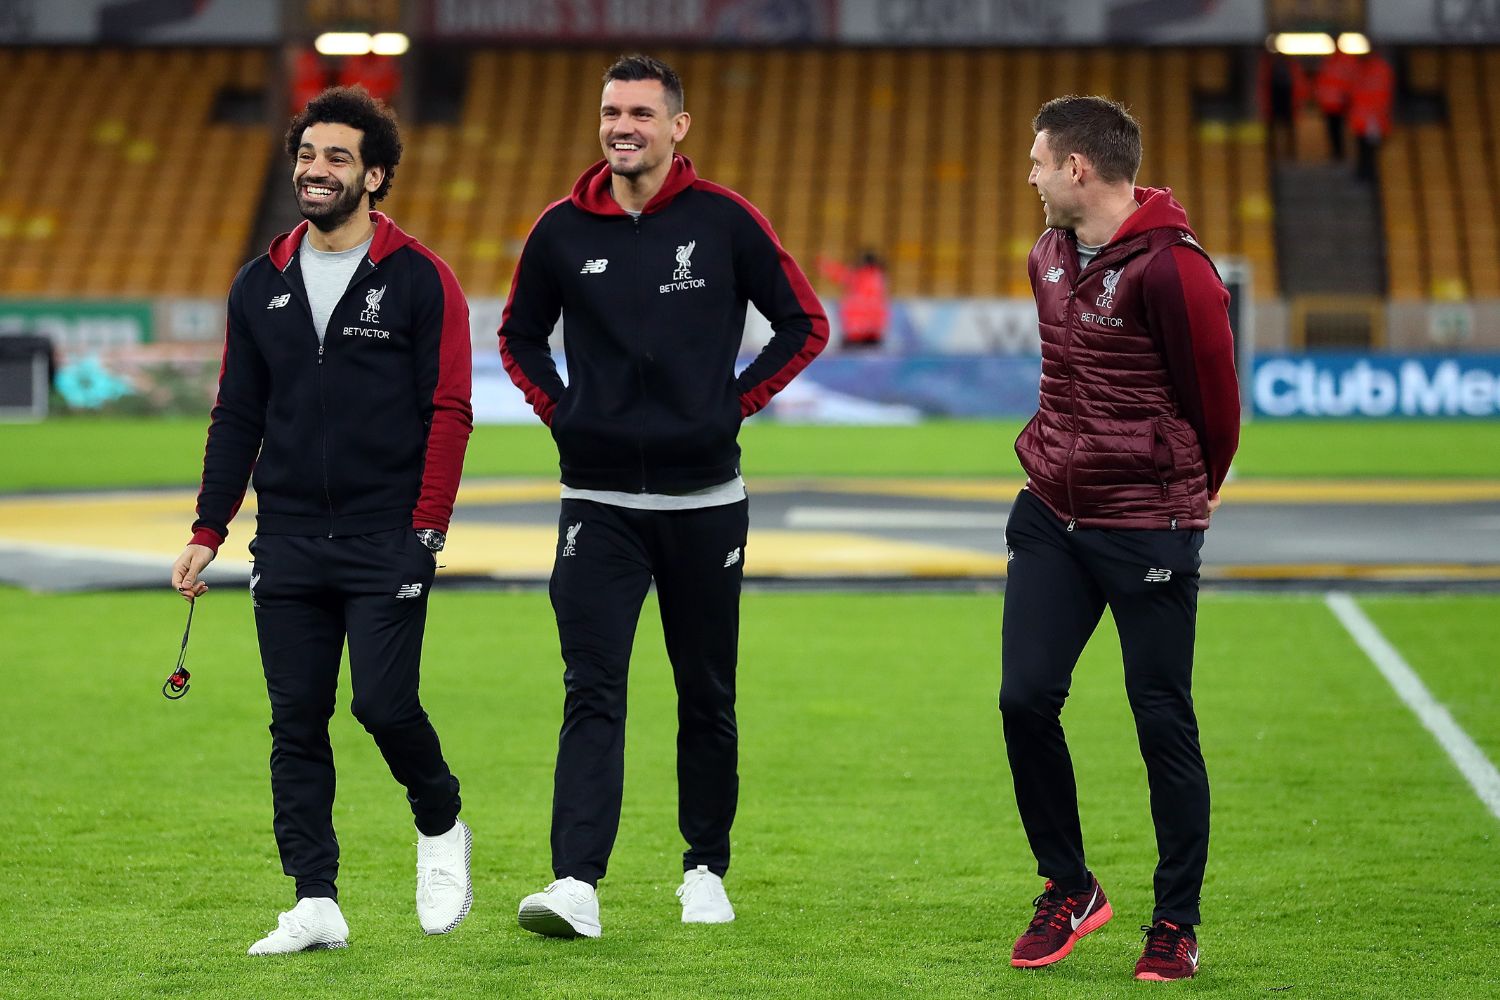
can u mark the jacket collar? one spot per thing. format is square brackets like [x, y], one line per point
[388, 239]
[591, 192]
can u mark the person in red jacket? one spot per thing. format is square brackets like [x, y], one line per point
[380, 75]
[1370, 104]
[1137, 424]
[310, 74]
[864, 303]
[1332, 87]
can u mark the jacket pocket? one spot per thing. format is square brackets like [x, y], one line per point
[1163, 458]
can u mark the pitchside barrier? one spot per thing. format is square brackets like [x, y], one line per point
[958, 358]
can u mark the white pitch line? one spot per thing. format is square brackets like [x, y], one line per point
[1463, 751]
[855, 518]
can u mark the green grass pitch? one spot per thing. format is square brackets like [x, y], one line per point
[85, 453]
[877, 852]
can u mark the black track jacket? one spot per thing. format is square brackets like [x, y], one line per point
[363, 433]
[653, 313]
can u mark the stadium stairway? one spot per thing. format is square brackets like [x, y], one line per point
[278, 212]
[1329, 239]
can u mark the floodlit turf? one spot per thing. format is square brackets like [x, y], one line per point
[85, 453]
[877, 852]
[1452, 642]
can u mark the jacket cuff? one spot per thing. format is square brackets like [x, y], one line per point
[208, 537]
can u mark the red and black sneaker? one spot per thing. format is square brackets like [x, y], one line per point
[1061, 919]
[1171, 953]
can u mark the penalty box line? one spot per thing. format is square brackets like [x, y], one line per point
[1461, 749]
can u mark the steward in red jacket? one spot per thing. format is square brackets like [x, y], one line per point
[1138, 421]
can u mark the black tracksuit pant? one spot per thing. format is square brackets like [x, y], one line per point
[309, 595]
[607, 557]
[1058, 583]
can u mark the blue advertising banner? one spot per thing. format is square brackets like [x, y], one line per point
[839, 389]
[1376, 385]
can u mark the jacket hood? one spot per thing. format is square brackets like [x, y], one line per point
[1158, 210]
[388, 239]
[591, 192]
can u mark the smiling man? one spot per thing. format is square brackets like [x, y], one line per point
[345, 389]
[651, 269]
[1137, 423]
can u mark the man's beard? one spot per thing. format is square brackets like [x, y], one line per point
[634, 170]
[330, 215]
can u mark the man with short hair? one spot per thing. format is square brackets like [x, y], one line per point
[651, 269]
[345, 388]
[1137, 424]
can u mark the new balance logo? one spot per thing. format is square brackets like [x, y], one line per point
[594, 266]
[409, 590]
[254, 579]
[1154, 575]
[570, 545]
[277, 301]
[1054, 275]
[732, 558]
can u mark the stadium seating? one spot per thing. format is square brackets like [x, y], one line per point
[1438, 181]
[919, 155]
[114, 180]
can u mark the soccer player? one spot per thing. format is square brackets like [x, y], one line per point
[345, 388]
[650, 267]
[1137, 424]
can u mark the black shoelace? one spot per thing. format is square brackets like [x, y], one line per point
[1164, 940]
[1051, 909]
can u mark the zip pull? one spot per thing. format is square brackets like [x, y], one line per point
[1072, 523]
[320, 354]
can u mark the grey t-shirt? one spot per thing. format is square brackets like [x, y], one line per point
[1087, 253]
[326, 277]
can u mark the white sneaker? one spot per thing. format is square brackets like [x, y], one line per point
[444, 890]
[312, 924]
[567, 908]
[704, 900]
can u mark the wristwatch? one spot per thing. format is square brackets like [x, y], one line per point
[432, 538]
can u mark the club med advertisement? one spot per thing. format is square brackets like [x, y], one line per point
[1385, 385]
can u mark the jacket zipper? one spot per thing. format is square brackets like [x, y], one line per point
[1073, 385]
[323, 408]
[1073, 400]
[640, 371]
[363, 271]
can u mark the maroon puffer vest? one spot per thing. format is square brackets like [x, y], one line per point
[1108, 447]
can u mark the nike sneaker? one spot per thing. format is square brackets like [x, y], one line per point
[1171, 953]
[1061, 919]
